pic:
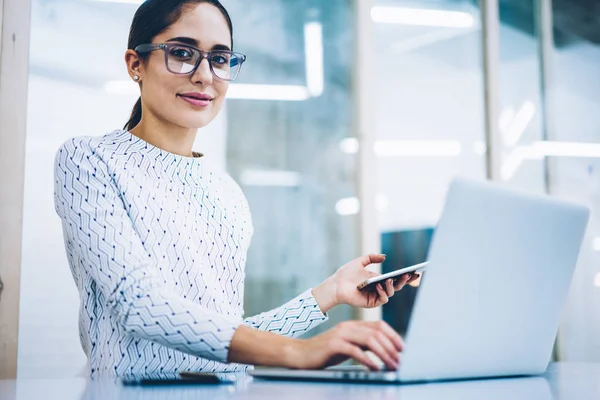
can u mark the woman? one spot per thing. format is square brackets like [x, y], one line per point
[157, 240]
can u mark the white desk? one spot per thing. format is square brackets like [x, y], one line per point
[562, 381]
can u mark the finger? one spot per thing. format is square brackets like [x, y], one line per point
[404, 279]
[367, 337]
[388, 347]
[370, 337]
[414, 278]
[389, 287]
[378, 348]
[357, 354]
[389, 332]
[374, 298]
[382, 296]
[372, 259]
[416, 282]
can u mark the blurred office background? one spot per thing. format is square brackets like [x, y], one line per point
[288, 135]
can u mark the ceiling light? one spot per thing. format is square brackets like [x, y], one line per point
[267, 92]
[417, 148]
[519, 123]
[422, 17]
[565, 149]
[313, 48]
[349, 145]
[254, 177]
[347, 206]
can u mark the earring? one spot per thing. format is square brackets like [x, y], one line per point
[136, 78]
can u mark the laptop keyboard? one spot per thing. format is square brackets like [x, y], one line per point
[355, 368]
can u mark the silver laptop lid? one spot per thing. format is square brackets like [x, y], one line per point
[501, 264]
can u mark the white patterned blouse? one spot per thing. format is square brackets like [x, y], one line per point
[157, 246]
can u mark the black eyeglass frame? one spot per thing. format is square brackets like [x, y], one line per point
[239, 57]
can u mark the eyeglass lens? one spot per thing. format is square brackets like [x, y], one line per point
[182, 60]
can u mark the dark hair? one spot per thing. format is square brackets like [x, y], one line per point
[151, 19]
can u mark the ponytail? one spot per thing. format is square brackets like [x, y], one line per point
[136, 116]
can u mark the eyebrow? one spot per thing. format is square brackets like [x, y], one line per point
[195, 43]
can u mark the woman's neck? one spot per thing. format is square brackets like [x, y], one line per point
[170, 138]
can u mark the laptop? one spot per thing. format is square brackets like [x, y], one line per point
[489, 303]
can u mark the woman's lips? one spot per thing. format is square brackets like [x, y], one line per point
[195, 101]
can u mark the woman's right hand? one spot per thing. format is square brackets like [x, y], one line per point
[348, 340]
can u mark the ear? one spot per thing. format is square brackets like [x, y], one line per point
[134, 64]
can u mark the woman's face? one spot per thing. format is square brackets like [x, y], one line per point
[169, 97]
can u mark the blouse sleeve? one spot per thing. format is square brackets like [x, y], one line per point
[292, 319]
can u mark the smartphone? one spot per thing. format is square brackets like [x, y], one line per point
[394, 274]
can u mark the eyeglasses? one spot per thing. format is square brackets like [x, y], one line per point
[181, 59]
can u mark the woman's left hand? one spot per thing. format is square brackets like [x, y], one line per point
[340, 288]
